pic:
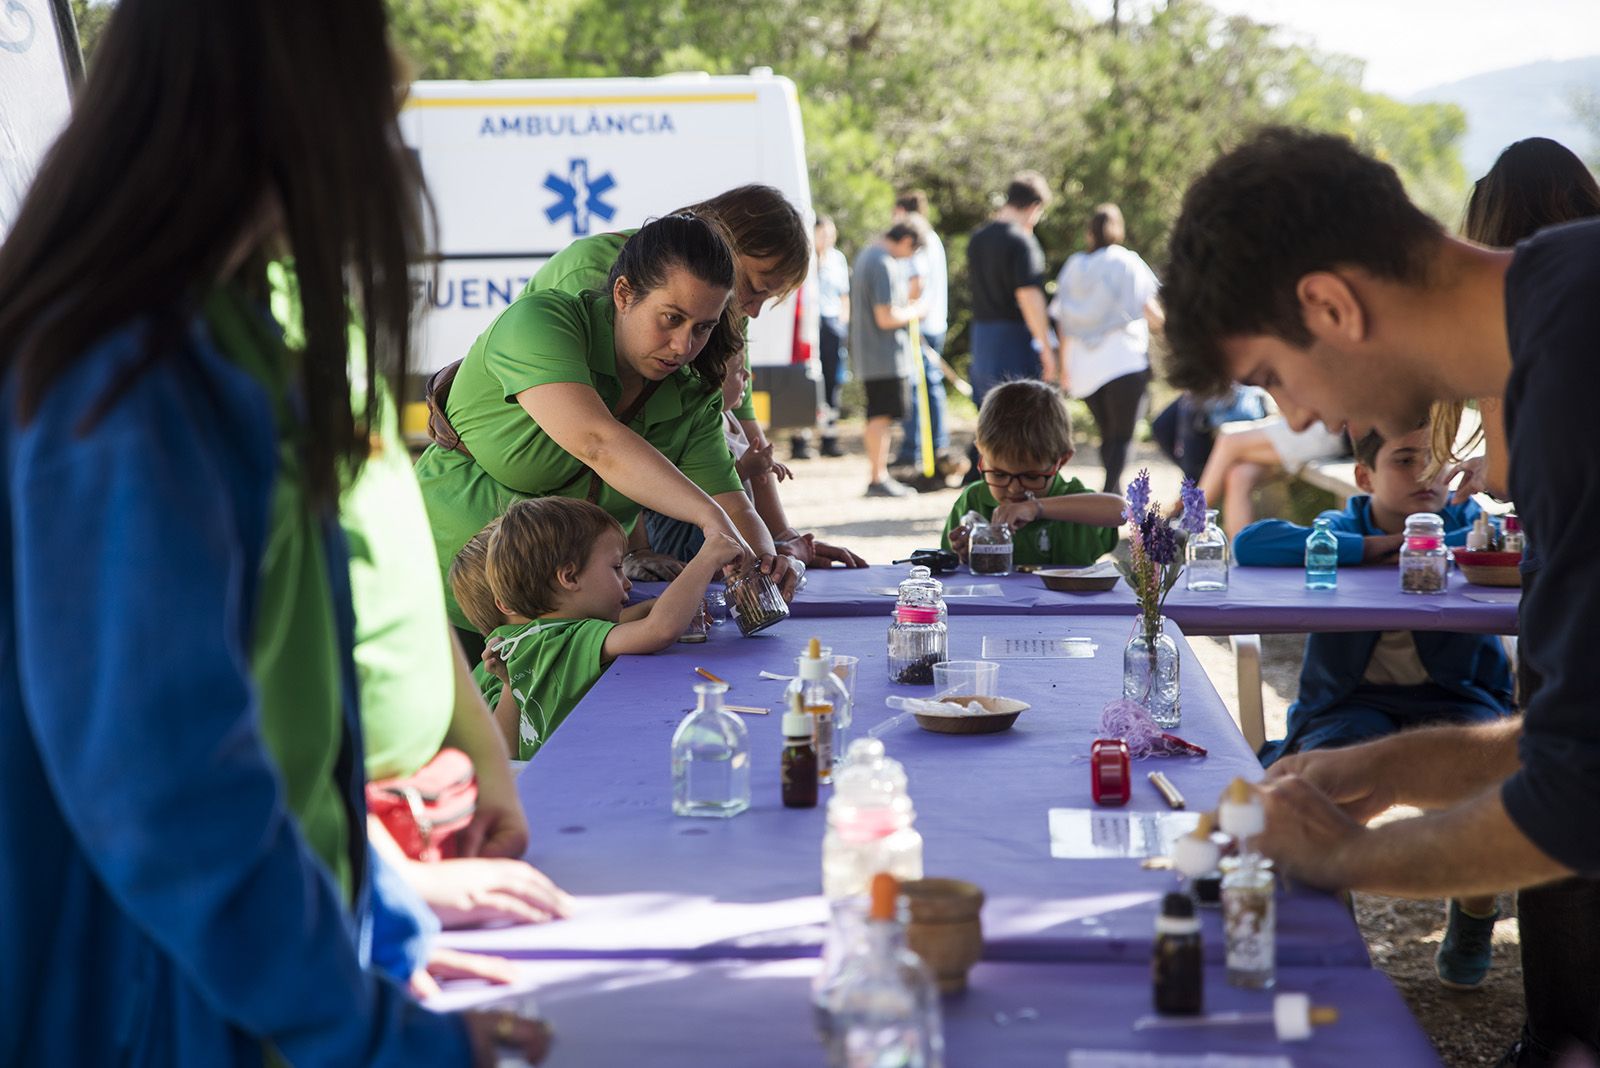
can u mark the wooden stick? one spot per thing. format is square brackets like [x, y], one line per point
[1168, 791]
[747, 710]
[704, 674]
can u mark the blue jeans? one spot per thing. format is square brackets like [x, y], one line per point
[911, 443]
[1001, 350]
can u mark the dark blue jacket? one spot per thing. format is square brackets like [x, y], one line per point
[1471, 666]
[161, 905]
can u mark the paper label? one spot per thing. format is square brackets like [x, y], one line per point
[999, 648]
[1094, 833]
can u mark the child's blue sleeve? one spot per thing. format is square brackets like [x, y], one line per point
[403, 926]
[1280, 543]
[1458, 520]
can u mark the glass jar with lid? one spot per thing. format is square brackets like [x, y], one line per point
[1424, 560]
[989, 548]
[918, 633]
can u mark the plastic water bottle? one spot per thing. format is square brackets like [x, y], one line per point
[710, 759]
[1322, 557]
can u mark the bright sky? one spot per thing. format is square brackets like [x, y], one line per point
[1413, 44]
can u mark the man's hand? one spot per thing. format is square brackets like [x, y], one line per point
[1049, 363]
[1381, 548]
[1352, 778]
[469, 892]
[645, 565]
[1307, 835]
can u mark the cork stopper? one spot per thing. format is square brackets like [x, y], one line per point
[1324, 1015]
[1240, 813]
[1238, 792]
[1206, 826]
[885, 896]
[814, 649]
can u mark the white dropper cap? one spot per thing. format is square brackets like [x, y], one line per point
[1293, 1017]
[1240, 814]
[812, 667]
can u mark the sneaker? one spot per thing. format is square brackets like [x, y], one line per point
[1467, 950]
[800, 447]
[831, 447]
[889, 488]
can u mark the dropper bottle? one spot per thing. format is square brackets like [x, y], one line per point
[815, 692]
[1195, 857]
[1249, 913]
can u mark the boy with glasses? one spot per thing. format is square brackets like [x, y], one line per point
[1024, 439]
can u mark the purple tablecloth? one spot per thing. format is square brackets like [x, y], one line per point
[1259, 600]
[740, 1013]
[598, 799]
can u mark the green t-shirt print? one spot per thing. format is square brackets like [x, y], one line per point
[1054, 544]
[551, 663]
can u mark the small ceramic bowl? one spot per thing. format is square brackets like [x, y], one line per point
[1482, 567]
[946, 930]
[1003, 712]
[1095, 579]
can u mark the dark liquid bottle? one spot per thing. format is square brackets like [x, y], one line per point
[1177, 967]
[799, 762]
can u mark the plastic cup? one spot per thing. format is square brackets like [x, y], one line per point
[965, 678]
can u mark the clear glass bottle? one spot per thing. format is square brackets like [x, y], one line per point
[1424, 560]
[989, 549]
[884, 1010]
[918, 634]
[1150, 673]
[871, 823]
[710, 759]
[1322, 556]
[1206, 557]
[818, 692]
[1515, 540]
[1249, 907]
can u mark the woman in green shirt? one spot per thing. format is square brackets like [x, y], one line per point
[614, 396]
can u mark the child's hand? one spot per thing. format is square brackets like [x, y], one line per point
[1016, 516]
[721, 550]
[493, 664]
[755, 462]
[780, 471]
[960, 537]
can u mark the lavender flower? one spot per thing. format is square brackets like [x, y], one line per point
[1194, 507]
[1161, 543]
[1138, 497]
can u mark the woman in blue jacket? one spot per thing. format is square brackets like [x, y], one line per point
[182, 854]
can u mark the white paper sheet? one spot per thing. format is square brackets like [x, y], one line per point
[1097, 833]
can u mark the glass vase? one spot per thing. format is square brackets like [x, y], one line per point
[1206, 557]
[1150, 672]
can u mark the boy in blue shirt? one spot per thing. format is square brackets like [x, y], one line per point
[1359, 686]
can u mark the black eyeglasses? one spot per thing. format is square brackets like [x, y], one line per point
[1029, 480]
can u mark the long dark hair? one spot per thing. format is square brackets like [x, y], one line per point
[697, 245]
[208, 128]
[1535, 183]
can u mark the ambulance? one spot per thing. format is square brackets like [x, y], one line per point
[517, 170]
[39, 66]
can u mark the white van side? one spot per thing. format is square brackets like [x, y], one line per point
[519, 169]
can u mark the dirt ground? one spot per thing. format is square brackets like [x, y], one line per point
[1469, 1029]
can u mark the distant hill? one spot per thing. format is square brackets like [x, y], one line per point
[1533, 100]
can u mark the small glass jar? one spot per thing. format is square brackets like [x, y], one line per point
[918, 634]
[1424, 559]
[989, 549]
[1206, 557]
[930, 590]
[755, 602]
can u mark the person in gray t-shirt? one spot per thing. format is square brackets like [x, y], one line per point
[880, 351]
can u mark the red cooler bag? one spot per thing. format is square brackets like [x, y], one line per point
[424, 812]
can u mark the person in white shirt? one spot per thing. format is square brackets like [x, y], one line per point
[1105, 308]
[833, 323]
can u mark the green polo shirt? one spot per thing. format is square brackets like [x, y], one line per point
[586, 264]
[1053, 543]
[541, 339]
[552, 663]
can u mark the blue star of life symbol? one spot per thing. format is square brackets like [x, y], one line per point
[580, 197]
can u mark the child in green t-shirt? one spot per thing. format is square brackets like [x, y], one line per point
[1024, 438]
[560, 615]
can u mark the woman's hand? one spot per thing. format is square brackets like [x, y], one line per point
[446, 964]
[785, 572]
[645, 565]
[472, 891]
[499, 827]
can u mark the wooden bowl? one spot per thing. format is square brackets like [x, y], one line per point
[1482, 567]
[1097, 578]
[1003, 712]
[946, 930]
